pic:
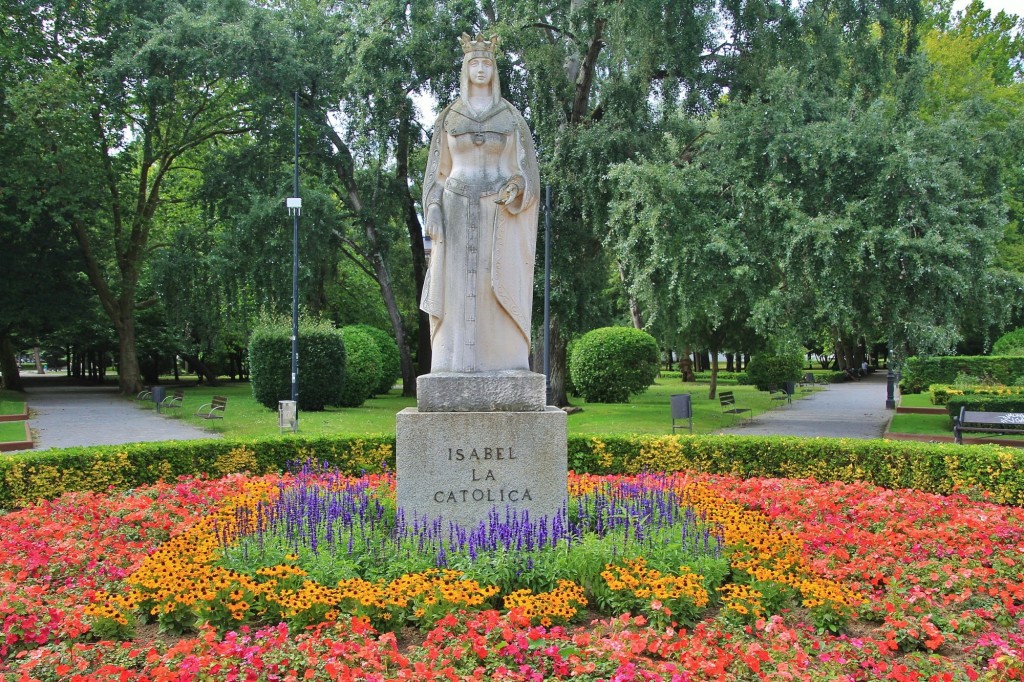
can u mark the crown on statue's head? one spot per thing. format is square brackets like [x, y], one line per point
[479, 46]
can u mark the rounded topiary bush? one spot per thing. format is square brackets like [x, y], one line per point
[769, 370]
[321, 364]
[612, 363]
[1010, 343]
[390, 358]
[362, 366]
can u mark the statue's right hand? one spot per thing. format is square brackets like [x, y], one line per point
[434, 224]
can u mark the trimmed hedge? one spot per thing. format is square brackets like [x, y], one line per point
[1010, 343]
[938, 468]
[28, 476]
[321, 365]
[920, 373]
[724, 378]
[610, 364]
[932, 467]
[391, 358]
[941, 393]
[362, 366]
[767, 371]
[984, 403]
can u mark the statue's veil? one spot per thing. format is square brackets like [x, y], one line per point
[464, 77]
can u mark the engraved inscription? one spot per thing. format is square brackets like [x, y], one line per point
[482, 495]
[487, 484]
[481, 454]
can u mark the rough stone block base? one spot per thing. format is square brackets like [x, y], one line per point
[500, 391]
[460, 465]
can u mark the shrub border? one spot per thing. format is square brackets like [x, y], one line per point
[938, 468]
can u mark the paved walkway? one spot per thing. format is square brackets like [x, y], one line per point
[854, 409]
[65, 415]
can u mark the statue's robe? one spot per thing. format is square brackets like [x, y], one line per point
[478, 290]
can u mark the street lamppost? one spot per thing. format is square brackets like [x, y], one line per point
[890, 381]
[294, 204]
[547, 295]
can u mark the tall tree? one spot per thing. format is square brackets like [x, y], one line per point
[127, 90]
[356, 68]
[596, 80]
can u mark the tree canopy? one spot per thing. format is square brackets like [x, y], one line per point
[730, 175]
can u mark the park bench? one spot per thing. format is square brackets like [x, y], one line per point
[213, 409]
[784, 393]
[987, 422]
[144, 395]
[682, 409]
[174, 400]
[807, 383]
[728, 402]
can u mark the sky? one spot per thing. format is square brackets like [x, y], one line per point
[1008, 6]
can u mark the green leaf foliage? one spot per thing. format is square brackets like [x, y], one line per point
[985, 403]
[938, 468]
[390, 360]
[1010, 343]
[612, 363]
[768, 370]
[322, 363]
[920, 373]
[363, 363]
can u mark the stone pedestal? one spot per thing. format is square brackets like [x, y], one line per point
[460, 463]
[501, 391]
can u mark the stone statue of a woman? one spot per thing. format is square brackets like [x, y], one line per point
[480, 201]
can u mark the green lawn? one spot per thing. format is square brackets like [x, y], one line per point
[12, 431]
[922, 424]
[937, 425]
[647, 413]
[917, 400]
[11, 407]
[244, 417]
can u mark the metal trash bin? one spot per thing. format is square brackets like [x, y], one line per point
[287, 415]
[159, 393]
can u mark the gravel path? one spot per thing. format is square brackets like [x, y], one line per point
[855, 409]
[64, 416]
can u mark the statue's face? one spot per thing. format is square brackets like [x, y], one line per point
[481, 70]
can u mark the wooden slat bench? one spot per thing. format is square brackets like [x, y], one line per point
[987, 422]
[173, 400]
[728, 402]
[213, 409]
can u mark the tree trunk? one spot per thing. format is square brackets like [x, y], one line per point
[686, 365]
[37, 356]
[129, 379]
[9, 369]
[634, 307]
[344, 168]
[201, 369]
[151, 372]
[419, 256]
[713, 390]
[558, 395]
[729, 367]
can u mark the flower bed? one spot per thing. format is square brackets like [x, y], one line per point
[937, 583]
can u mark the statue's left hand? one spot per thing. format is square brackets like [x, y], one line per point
[508, 194]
